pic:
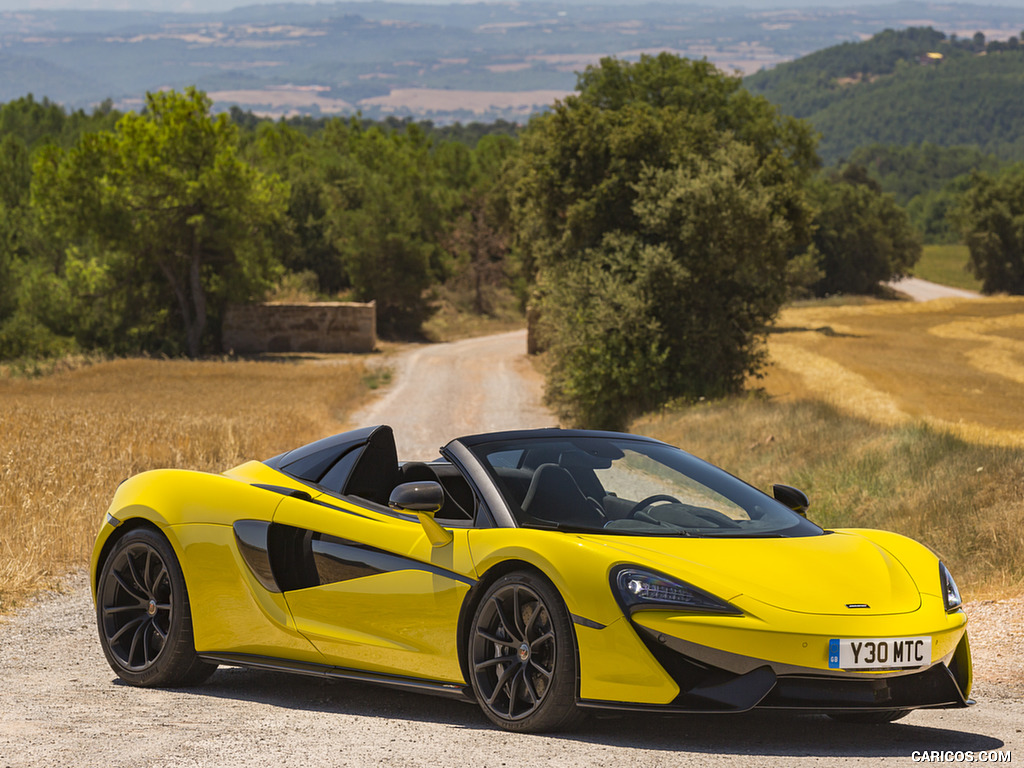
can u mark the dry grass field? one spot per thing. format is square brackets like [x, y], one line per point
[956, 365]
[68, 439]
[908, 417]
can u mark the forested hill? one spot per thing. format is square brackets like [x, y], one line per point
[906, 87]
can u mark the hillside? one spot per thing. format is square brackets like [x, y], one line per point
[450, 62]
[906, 87]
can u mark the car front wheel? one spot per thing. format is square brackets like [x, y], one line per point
[143, 613]
[522, 656]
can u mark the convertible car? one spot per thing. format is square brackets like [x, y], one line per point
[542, 573]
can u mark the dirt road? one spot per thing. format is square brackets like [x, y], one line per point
[441, 391]
[60, 704]
[922, 290]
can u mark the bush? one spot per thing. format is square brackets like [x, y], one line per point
[655, 214]
[22, 336]
[862, 236]
[991, 219]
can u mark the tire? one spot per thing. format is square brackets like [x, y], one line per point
[143, 614]
[873, 717]
[522, 656]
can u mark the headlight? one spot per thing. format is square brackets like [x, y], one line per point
[637, 589]
[950, 594]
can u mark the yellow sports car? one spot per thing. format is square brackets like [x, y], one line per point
[542, 573]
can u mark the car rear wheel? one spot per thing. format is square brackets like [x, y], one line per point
[867, 718]
[522, 656]
[143, 613]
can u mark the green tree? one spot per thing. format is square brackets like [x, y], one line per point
[862, 236]
[991, 219]
[301, 161]
[16, 173]
[657, 212]
[385, 209]
[908, 171]
[165, 196]
[44, 122]
[479, 231]
[24, 300]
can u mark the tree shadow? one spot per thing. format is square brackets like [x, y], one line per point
[825, 330]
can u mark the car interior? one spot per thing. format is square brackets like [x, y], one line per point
[547, 483]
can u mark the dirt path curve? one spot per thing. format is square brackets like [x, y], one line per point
[442, 391]
[922, 290]
[60, 704]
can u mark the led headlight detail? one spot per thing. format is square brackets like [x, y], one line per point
[638, 589]
[950, 593]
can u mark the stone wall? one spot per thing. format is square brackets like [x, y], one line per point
[329, 326]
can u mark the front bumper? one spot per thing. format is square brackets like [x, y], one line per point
[709, 679]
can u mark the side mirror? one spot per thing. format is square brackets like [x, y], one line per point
[425, 500]
[792, 497]
[427, 496]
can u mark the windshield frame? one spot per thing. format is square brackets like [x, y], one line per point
[481, 448]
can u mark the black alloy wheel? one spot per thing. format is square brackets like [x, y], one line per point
[522, 656]
[143, 614]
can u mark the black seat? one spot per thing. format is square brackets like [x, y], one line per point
[417, 472]
[581, 467]
[376, 471]
[554, 497]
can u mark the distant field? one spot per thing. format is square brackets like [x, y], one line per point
[423, 101]
[281, 101]
[954, 364]
[947, 265]
[288, 101]
[893, 415]
[70, 438]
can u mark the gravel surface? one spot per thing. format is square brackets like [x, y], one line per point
[61, 705]
[442, 391]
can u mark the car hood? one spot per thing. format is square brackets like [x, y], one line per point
[815, 574]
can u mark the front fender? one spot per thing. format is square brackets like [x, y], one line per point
[165, 498]
[614, 664]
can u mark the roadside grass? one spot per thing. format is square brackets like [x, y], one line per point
[35, 367]
[947, 265]
[68, 439]
[964, 500]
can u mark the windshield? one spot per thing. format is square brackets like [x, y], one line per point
[628, 486]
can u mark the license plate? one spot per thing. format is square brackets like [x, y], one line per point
[879, 652]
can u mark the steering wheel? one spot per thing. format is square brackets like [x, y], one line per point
[644, 503]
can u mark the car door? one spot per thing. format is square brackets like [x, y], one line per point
[369, 589]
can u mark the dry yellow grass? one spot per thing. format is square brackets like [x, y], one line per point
[68, 439]
[957, 365]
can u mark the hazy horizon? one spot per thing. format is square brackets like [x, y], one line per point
[218, 6]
